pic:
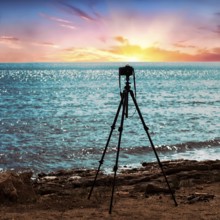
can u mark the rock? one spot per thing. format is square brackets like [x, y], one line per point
[16, 187]
[72, 178]
[205, 197]
[42, 174]
[152, 189]
[50, 178]
[148, 179]
[216, 165]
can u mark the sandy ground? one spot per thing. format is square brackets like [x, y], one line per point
[139, 194]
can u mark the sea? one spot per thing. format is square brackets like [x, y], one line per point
[59, 115]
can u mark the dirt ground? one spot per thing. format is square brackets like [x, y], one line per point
[139, 194]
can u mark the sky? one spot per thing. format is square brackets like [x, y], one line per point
[109, 30]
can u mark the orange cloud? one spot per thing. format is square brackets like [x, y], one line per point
[121, 39]
[124, 51]
[208, 55]
[137, 53]
[85, 55]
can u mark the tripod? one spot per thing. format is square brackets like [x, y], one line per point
[124, 104]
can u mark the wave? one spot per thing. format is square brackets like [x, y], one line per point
[175, 148]
[38, 160]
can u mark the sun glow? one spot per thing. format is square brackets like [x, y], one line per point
[127, 33]
[133, 59]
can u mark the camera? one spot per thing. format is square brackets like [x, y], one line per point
[126, 71]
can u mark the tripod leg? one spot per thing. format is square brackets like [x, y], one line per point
[126, 106]
[152, 145]
[106, 146]
[125, 94]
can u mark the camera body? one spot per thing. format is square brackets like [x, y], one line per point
[126, 71]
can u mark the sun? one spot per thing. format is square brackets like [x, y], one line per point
[132, 53]
[130, 58]
[133, 59]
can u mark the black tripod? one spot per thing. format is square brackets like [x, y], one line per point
[124, 102]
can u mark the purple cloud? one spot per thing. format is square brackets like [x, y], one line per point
[217, 30]
[8, 39]
[60, 21]
[78, 12]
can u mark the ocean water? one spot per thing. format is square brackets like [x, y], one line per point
[59, 115]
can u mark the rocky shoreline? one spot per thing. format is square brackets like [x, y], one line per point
[66, 191]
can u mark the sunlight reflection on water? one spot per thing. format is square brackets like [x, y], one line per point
[52, 114]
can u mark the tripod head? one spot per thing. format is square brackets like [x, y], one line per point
[127, 71]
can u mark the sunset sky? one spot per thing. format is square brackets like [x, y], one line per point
[109, 30]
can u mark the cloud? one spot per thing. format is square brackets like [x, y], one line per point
[10, 41]
[183, 44]
[61, 22]
[208, 55]
[103, 38]
[217, 30]
[129, 51]
[88, 54]
[77, 12]
[15, 43]
[45, 44]
[121, 39]
[126, 52]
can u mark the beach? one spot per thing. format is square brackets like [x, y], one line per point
[55, 121]
[109, 110]
[140, 193]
